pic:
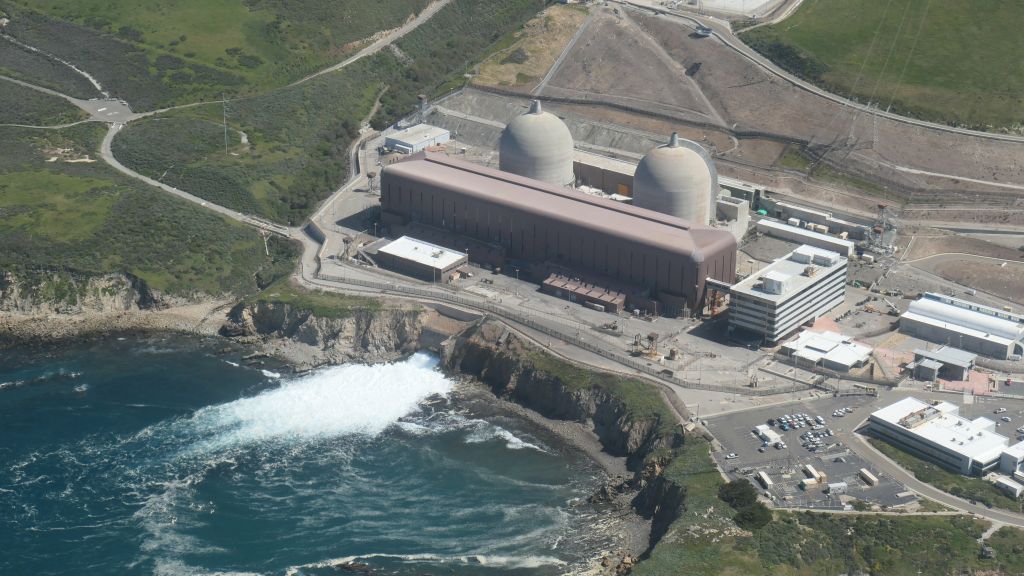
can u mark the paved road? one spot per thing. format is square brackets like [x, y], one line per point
[383, 42]
[723, 31]
[869, 453]
[561, 57]
[264, 225]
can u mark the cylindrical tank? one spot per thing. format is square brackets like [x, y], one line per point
[537, 145]
[678, 179]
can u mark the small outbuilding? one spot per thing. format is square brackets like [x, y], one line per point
[416, 138]
[945, 362]
[838, 487]
[420, 259]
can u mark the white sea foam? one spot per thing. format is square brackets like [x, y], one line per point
[486, 432]
[11, 384]
[235, 364]
[336, 401]
[498, 561]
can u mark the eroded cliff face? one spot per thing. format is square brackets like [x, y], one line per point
[309, 340]
[498, 358]
[69, 294]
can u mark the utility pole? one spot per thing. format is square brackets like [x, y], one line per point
[224, 116]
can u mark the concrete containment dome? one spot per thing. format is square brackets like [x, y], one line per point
[677, 179]
[537, 145]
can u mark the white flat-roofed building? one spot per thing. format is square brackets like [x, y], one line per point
[937, 432]
[965, 325]
[827, 349]
[416, 138]
[420, 259]
[804, 236]
[800, 287]
[1009, 487]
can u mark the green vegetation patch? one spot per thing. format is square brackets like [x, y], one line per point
[317, 302]
[128, 69]
[54, 205]
[32, 67]
[72, 216]
[815, 543]
[703, 540]
[641, 399]
[944, 60]
[299, 136]
[969, 488]
[24, 105]
[166, 52]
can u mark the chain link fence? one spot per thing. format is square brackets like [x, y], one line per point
[557, 328]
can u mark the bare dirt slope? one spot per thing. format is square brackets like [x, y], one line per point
[522, 65]
[615, 61]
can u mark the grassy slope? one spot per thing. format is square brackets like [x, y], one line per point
[84, 217]
[26, 106]
[299, 135]
[319, 303]
[963, 486]
[967, 66]
[17, 62]
[163, 52]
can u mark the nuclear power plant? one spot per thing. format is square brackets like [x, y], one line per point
[654, 248]
[678, 179]
[538, 145]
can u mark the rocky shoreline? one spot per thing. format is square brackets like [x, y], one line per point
[484, 354]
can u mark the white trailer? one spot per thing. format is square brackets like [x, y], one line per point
[868, 477]
[837, 487]
[763, 478]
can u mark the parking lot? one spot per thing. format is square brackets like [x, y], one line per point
[744, 454]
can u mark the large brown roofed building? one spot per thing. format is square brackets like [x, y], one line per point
[542, 224]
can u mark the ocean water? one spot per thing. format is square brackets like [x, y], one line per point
[165, 455]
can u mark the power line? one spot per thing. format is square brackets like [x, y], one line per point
[224, 115]
[910, 55]
[853, 89]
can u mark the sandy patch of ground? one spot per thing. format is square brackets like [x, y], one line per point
[1001, 278]
[542, 39]
[932, 243]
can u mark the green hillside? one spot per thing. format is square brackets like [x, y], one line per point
[61, 210]
[949, 61]
[161, 52]
[298, 136]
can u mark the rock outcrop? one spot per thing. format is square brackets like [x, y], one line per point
[500, 359]
[309, 340]
[66, 294]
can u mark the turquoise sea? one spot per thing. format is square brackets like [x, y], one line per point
[171, 455]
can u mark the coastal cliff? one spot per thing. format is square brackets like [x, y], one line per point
[629, 417]
[54, 306]
[515, 370]
[307, 335]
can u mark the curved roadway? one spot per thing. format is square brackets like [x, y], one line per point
[723, 31]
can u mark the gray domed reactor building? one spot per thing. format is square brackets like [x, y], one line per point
[678, 179]
[537, 145]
